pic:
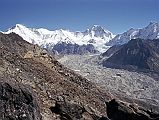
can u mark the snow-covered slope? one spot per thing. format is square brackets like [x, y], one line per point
[149, 32]
[96, 36]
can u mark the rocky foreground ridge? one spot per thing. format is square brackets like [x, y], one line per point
[34, 86]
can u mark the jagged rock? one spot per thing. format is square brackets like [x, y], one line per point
[121, 111]
[17, 102]
[72, 111]
[68, 111]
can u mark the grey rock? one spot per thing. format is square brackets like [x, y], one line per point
[69, 48]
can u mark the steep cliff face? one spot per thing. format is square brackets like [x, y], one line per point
[47, 89]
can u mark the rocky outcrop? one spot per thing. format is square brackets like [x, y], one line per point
[68, 111]
[46, 86]
[17, 102]
[121, 111]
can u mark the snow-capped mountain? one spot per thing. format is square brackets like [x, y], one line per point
[149, 32]
[93, 39]
[95, 35]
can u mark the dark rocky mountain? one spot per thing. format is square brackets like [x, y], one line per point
[136, 54]
[34, 86]
[68, 48]
[111, 51]
[104, 56]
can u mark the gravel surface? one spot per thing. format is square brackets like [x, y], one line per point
[131, 84]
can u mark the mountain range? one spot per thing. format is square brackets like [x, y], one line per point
[93, 40]
[96, 35]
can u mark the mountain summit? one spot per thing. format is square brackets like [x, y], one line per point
[98, 31]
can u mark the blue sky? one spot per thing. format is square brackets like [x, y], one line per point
[77, 15]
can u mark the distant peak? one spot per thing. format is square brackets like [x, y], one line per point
[62, 30]
[19, 25]
[131, 30]
[96, 27]
[153, 23]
